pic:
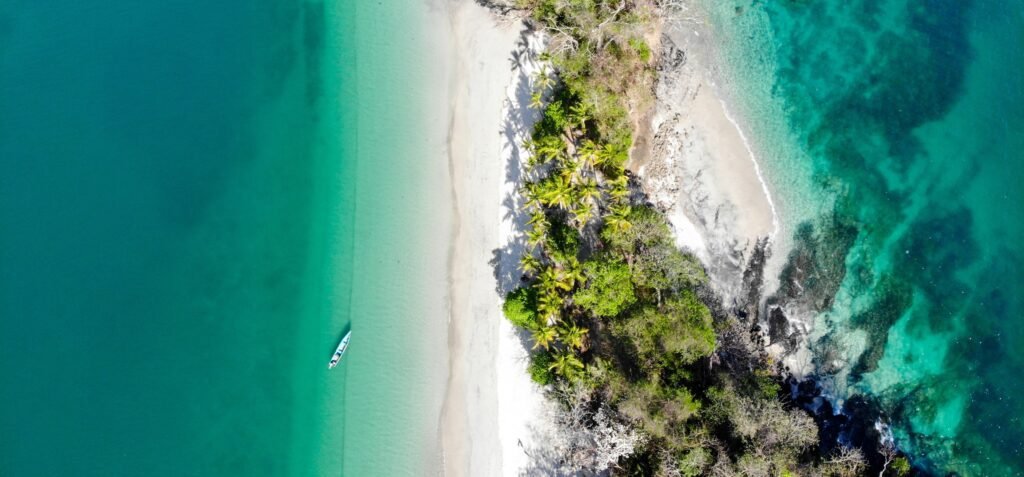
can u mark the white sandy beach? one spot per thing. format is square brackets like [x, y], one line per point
[492, 408]
[700, 169]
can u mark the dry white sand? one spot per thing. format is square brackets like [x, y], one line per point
[522, 414]
[491, 406]
[702, 169]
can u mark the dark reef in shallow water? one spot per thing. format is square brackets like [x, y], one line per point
[876, 104]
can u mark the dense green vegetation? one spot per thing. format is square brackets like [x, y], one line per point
[615, 310]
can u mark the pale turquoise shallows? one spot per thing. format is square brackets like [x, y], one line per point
[196, 200]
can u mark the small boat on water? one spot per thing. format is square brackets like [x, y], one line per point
[338, 353]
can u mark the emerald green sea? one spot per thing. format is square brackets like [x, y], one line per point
[197, 200]
[890, 131]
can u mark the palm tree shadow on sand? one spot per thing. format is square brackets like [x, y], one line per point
[517, 128]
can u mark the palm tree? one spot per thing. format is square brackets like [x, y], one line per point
[546, 282]
[572, 169]
[548, 148]
[558, 191]
[542, 80]
[531, 192]
[536, 100]
[618, 219]
[622, 210]
[579, 114]
[544, 336]
[529, 263]
[590, 153]
[535, 237]
[572, 335]
[619, 187]
[533, 159]
[618, 193]
[538, 219]
[549, 305]
[555, 278]
[615, 154]
[573, 271]
[567, 364]
[588, 189]
[583, 214]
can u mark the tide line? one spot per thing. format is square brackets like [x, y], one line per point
[757, 170]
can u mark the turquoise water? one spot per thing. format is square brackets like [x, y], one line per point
[891, 130]
[183, 242]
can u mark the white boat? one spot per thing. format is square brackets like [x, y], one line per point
[338, 353]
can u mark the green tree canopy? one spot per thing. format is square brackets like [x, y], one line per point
[681, 327]
[540, 367]
[566, 364]
[661, 411]
[521, 307]
[667, 268]
[563, 242]
[647, 229]
[609, 289]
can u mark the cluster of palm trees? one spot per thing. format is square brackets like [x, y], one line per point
[573, 171]
[573, 178]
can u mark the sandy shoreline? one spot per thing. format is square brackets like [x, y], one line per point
[490, 401]
[702, 169]
[699, 168]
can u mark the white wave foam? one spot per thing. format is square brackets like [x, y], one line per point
[757, 170]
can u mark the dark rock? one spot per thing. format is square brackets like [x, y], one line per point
[672, 56]
[778, 325]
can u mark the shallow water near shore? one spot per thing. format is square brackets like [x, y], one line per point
[889, 132]
[196, 200]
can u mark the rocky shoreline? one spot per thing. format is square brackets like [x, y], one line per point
[682, 184]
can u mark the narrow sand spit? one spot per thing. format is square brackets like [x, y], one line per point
[699, 167]
[491, 404]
